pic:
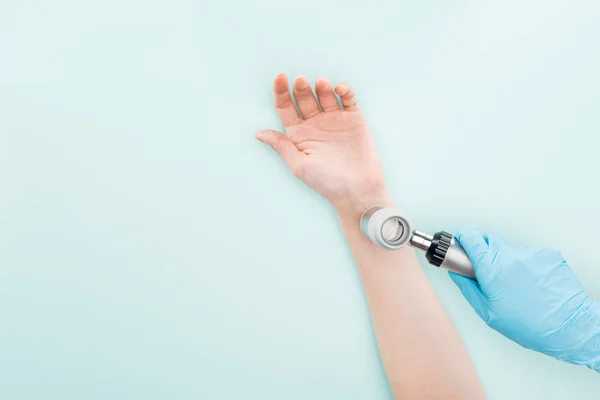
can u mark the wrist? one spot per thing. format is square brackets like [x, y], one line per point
[352, 208]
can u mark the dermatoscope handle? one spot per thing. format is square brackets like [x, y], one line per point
[458, 261]
[442, 250]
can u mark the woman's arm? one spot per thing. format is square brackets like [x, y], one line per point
[422, 353]
[332, 150]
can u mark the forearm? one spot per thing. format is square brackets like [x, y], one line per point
[422, 353]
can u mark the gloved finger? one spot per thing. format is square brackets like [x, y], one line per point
[488, 266]
[472, 292]
[478, 249]
[474, 244]
[494, 240]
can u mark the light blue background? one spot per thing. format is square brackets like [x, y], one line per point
[150, 248]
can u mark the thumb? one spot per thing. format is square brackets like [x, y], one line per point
[475, 246]
[473, 242]
[472, 292]
[283, 146]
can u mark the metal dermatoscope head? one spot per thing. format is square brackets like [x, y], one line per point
[386, 227]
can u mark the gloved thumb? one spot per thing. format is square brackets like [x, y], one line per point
[476, 248]
[473, 242]
[283, 146]
[472, 292]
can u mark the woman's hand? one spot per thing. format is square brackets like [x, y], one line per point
[329, 148]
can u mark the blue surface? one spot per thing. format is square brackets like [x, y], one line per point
[151, 248]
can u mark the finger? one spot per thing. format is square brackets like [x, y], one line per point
[476, 248]
[284, 147]
[494, 240]
[327, 98]
[305, 99]
[348, 97]
[472, 292]
[283, 102]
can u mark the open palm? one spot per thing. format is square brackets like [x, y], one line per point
[329, 148]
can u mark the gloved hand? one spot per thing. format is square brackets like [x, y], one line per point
[532, 297]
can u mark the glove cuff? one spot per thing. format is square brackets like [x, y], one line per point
[585, 331]
[587, 352]
[593, 345]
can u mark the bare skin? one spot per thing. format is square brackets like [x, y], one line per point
[332, 150]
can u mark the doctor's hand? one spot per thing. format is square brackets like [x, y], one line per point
[328, 147]
[532, 297]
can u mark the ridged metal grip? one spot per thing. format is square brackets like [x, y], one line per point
[447, 253]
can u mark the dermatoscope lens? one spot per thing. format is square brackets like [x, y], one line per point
[392, 230]
[386, 227]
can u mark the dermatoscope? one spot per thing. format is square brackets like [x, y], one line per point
[389, 229]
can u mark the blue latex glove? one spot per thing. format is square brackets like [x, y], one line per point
[532, 297]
